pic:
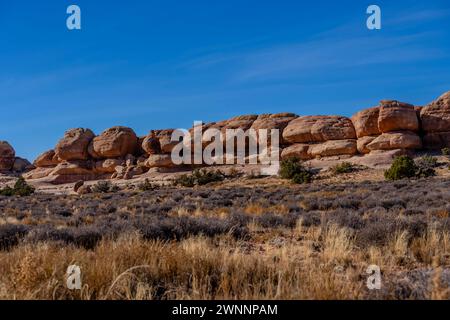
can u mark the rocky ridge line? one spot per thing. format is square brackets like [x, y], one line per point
[389, 129]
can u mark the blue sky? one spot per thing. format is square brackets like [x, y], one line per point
[162, 64]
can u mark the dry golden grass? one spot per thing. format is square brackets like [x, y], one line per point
[311, 263]
[300, 242]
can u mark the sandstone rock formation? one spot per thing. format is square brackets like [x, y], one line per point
[114, 143]
[39, 173]
[436, 116]
[396, 116]
[7, 156]
[239, 122]
[366, 122]
[396, 140]
[333, 148]
[390, 126]
[372, 135]
[165, 140]
[108, 165]
[22, 165]
[159, 160]
[310, 129]
[326, 135]
[73, 167]
[298, 150]
[150, 144]
[435, 119]
[78, 185]
[74, 144]
[47, 159]
[363, 142]
[277, 121]
[9, 163]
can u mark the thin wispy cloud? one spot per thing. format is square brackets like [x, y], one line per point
[323, 54]
[418, 16]
[39, 81]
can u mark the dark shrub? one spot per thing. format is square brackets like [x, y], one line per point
[46, 233]
[402, 167]
[393, 203]
[425, 167]
[21, 189]
[270, 220]
[425, 172]
[344, 167]
[7, 191]
[179, 228]
[347, 219]
[10, 235]
[199, 177]
[446, 152]
[312, 218]
[427, 161]
[293, 170]
[290, 167]
[185, 180]
[204, 176]
[86, 237]
[64, 213]
[302, 177]
[104, 187]
[146, 186]
[375, 233]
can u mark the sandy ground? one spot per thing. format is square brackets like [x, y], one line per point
[242, 174]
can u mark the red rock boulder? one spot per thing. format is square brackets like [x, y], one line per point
[397, 116]
[159, 161]
[150, 144]
[7, 156]
[363, 142]
[298, 150]
[164, 138]
[115, 142]
[435, 117]
[277, 121]
[366, 122]
[310, 129]
[333, 148]
[396, 140]
[47, 159]
[74, 144]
